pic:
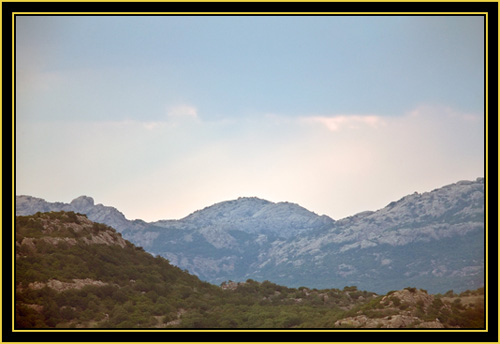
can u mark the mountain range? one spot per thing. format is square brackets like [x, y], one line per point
[433, 240]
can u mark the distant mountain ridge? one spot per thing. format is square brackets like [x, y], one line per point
[435, 240]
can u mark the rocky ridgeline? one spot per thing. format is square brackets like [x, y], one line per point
[455, 209]
[444, 212]
[434, 240]
[28, 205]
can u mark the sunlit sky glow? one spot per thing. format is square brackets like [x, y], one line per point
[160, 116]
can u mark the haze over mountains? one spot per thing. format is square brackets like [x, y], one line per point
[433, 240]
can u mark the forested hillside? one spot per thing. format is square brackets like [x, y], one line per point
[71, 272]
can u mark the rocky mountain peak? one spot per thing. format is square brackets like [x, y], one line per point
[241, 207]
[82, 203]
[257, 216]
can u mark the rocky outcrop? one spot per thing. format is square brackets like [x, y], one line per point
[410, 296]
[62, 286]
[406, 308]
[391, 321]
[105, 238]
[67, 229]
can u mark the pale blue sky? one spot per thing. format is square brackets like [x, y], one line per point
[163, 115]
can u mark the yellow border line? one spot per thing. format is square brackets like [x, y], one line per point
[249, 13]
[201, 1]
[13, 176]
[486, 170]
[254, 330]
[245, 13]
[1, 166]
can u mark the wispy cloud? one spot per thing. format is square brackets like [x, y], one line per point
[152, 125]
[338, 122]
[182, 112]
[174, 117]
[446, 112]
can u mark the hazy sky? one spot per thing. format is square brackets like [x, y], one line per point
[160, 116]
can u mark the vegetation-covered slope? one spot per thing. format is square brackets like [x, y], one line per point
[71, 272]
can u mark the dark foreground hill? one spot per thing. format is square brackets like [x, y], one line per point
[433, 240]
[71, 272]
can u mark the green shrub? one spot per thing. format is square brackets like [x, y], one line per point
[395, 300]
